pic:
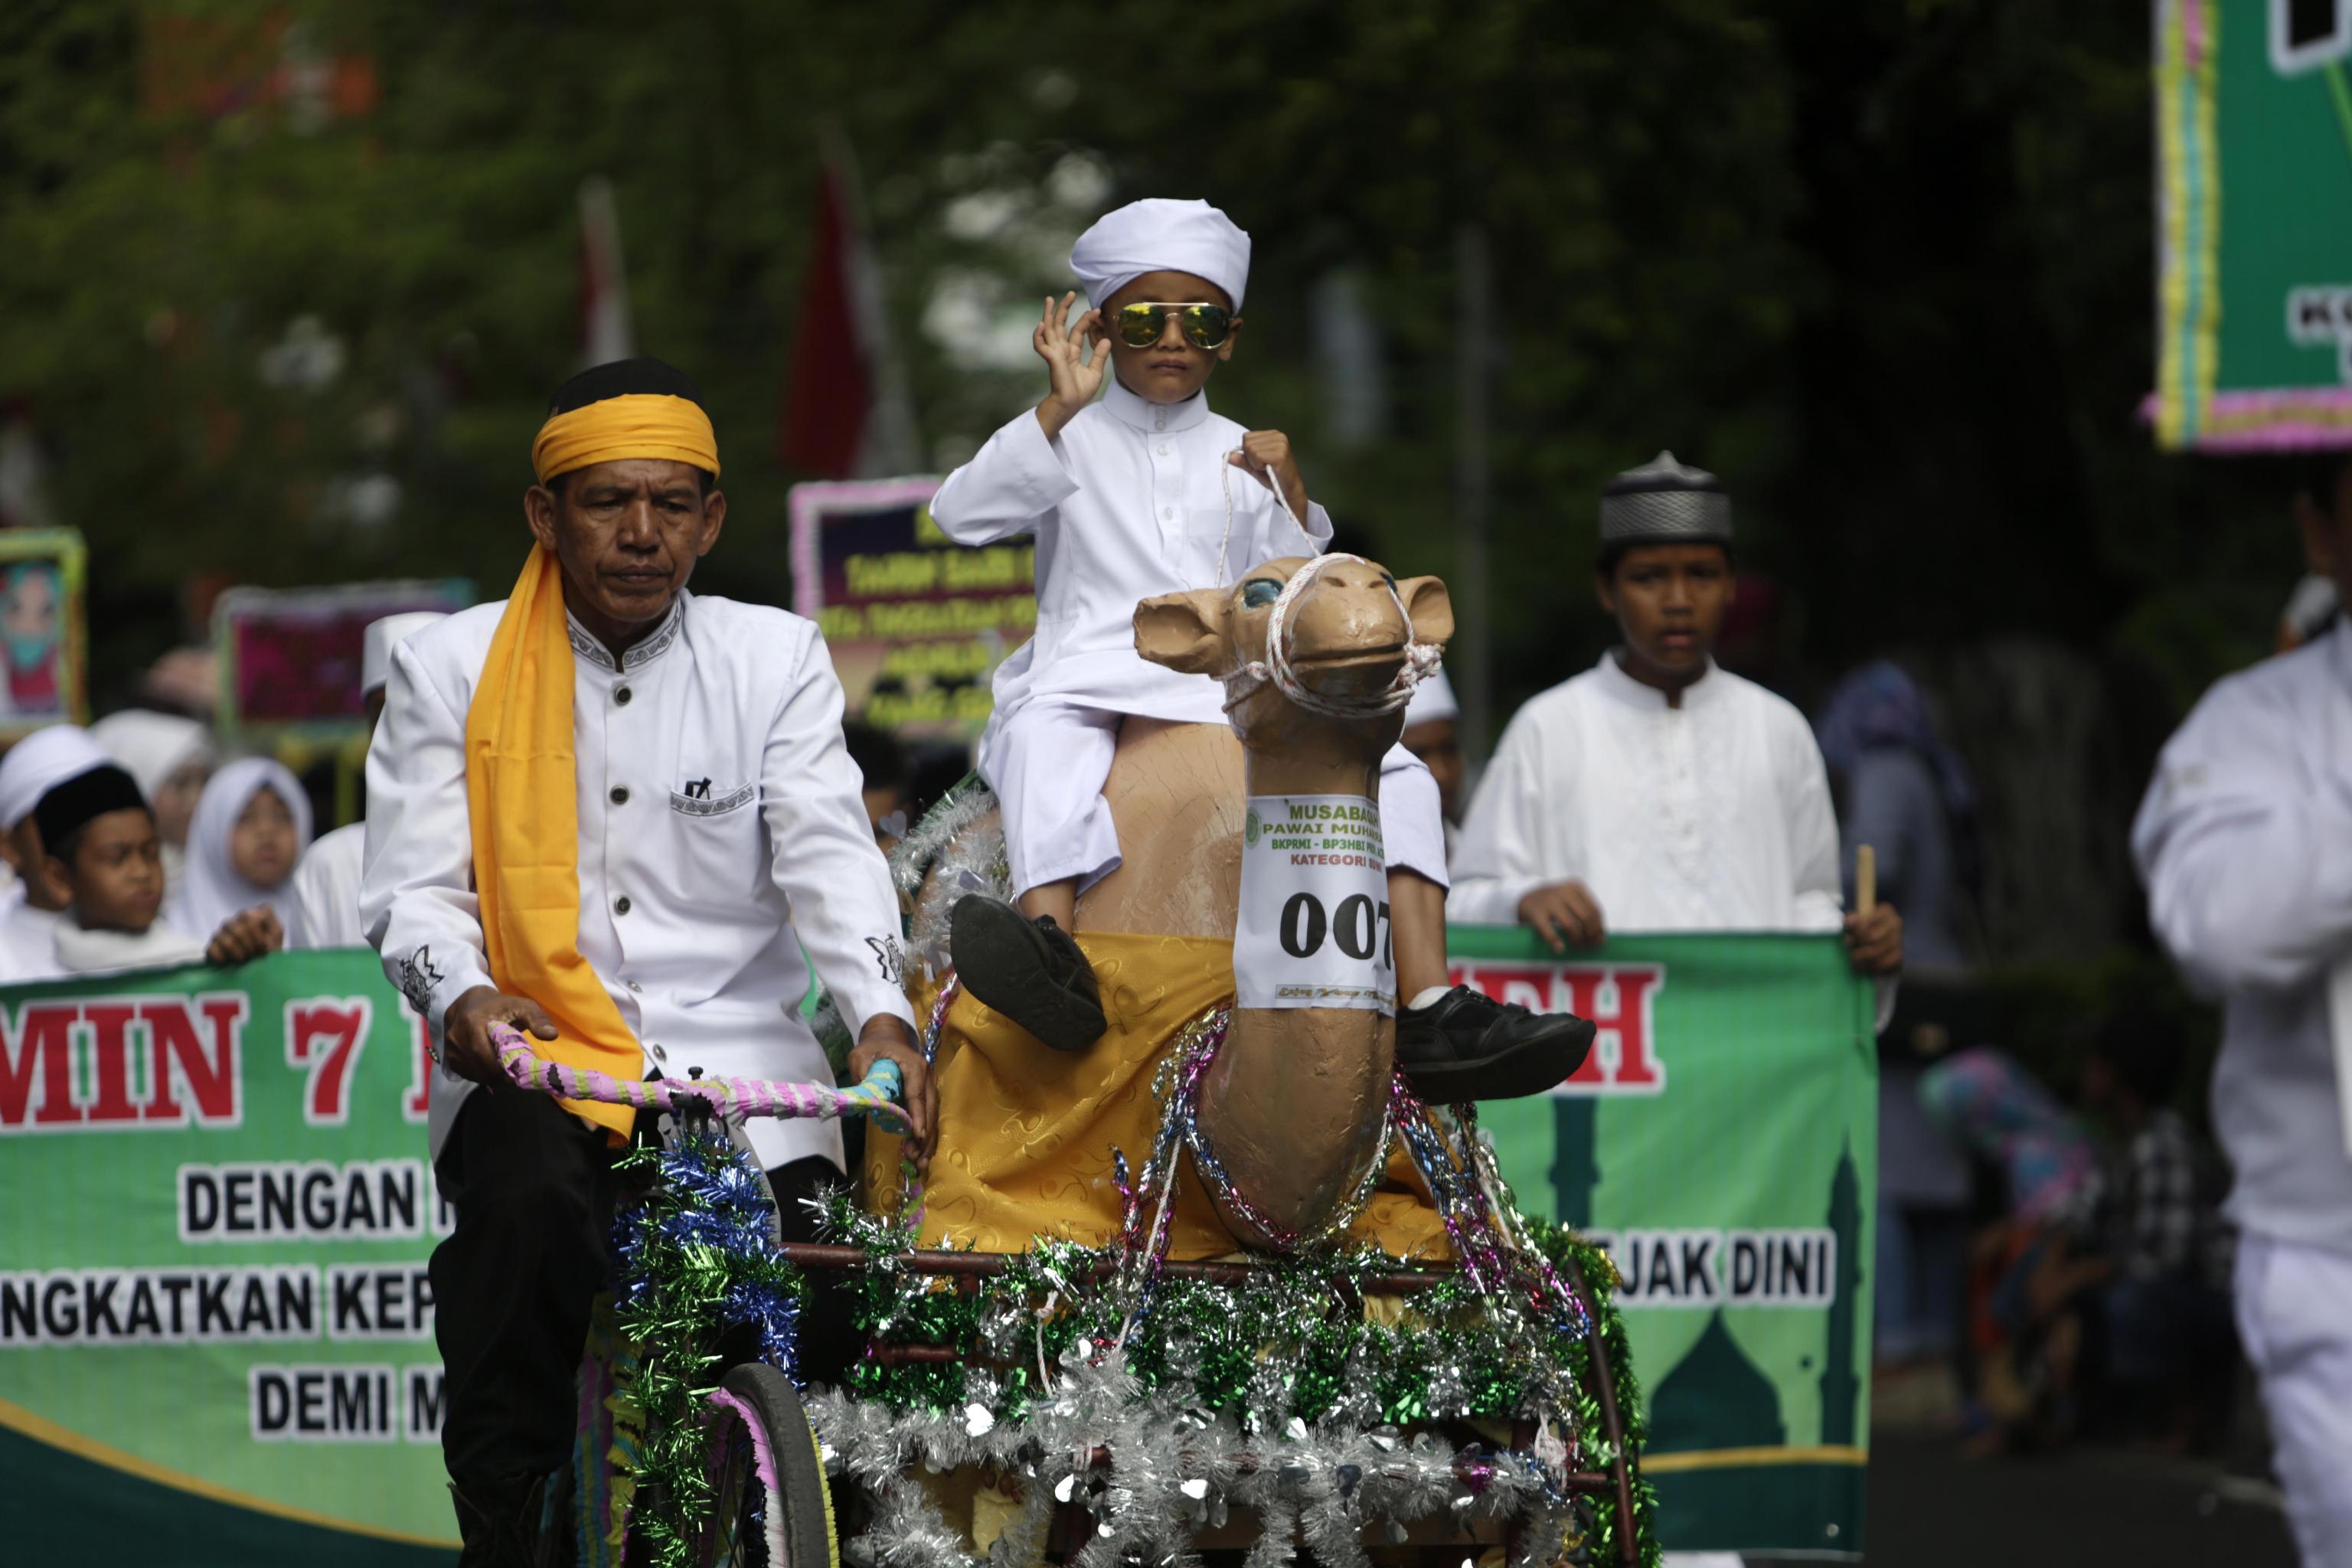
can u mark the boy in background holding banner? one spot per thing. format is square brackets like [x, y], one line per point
[1673, 796]
[1669, 794]
[1132, 497]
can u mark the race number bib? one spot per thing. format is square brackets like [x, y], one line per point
[1313, 926]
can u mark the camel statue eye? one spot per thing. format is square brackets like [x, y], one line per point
[1258, 594]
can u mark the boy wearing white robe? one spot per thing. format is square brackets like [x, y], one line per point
[1657, 792]
[1145, 492]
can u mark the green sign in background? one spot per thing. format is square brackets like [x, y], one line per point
[2254, 129]
[1749, 1109]
[1759, 1117]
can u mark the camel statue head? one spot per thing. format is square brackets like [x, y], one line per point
[1346, 634]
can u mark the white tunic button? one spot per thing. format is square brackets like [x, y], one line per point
[634, 986]
[1163, 448]
[659, 1055]
[1169, 512]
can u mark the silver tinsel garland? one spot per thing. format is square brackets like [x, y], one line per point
[943, 859]
[1172, 1471]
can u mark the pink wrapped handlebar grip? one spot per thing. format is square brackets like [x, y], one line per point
[735, 1099]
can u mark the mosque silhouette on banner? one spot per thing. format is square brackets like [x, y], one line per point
[1716, 1398]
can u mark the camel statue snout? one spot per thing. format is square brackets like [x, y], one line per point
[1345, 633]
[1348, 633]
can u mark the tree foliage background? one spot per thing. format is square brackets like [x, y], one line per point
[1884, 264]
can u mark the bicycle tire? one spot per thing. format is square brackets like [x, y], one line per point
[772, 1507]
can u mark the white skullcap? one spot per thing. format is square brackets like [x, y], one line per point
[39, 762]
[383, 636]
[1160, 235]
[1433, 701]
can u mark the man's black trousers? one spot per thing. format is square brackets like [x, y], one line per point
[514, 1283]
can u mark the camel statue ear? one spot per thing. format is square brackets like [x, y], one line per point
[1186, 632]
[1429, 607]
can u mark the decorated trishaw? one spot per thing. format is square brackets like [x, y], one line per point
[1220, 1284]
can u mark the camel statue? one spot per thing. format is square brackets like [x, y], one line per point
[1294, 1103]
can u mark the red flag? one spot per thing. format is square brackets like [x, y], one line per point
[605, 333]
[830, 389]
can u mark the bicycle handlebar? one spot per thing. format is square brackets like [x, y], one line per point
[728, 1097]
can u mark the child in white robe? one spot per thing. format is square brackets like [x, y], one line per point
[1144, 492]
[103, 861]
[1657, 792]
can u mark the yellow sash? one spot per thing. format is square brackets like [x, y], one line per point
[520, 786]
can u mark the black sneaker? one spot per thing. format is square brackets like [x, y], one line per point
[1467, 1045]
[1030, 971]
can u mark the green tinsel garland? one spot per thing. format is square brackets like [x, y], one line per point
[1563, 1247]
[694, 1256]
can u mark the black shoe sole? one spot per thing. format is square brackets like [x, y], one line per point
[1004, 962]
[1535, 1066]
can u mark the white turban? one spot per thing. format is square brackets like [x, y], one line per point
[39, 762]
[1433, 701]
[383, 636]
[1160, 235]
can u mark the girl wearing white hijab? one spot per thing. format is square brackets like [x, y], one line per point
[169, 757]
[250, 828]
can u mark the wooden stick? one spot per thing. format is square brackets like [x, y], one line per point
[1866, 879]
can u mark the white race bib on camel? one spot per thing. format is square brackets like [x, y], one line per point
[1313, 926]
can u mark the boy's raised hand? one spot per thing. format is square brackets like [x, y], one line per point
[1076, 378]
[1266, 454]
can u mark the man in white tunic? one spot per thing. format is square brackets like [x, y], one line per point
[1657, 792]
[682, 757]
[325, 909]
[34, 766]
[2245, 843]
[1146, 492]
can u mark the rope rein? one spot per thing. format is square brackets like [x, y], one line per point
[1421, 658]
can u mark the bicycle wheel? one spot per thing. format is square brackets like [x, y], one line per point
[770, 1508]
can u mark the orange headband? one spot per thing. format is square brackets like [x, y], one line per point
[638, 424]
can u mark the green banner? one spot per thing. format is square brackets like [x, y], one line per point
[216, 1329]
[2253, 119]
[1722, 1143]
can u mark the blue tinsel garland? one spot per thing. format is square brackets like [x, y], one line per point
[697, 1264]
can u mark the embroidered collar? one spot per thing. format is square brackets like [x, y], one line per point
[1634, 694]
[1154, 417]
[641, 653]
